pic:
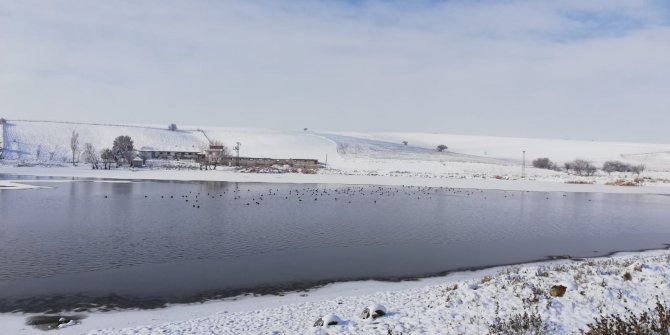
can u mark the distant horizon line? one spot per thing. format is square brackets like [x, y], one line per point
[197, 127]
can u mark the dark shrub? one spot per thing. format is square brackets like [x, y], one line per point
[544, 163]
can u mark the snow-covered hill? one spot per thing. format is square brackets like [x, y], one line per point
[24, 138]
[656, 156]
[376, 153]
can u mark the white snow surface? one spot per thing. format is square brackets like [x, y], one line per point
[459, 303]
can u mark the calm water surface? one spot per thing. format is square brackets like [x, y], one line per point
[86, 244]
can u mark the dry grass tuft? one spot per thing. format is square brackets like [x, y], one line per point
[519, 324]
[647, 323]
[624, 182]
[579, 182]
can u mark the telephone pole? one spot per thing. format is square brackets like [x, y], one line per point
[523, 166]
[237, 149]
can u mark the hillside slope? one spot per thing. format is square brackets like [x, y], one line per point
[377, 153]
[25, 137]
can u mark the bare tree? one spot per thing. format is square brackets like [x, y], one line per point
[52, 152]
[442, 147]
[172, 127]
[590, 169]
[74, 146]
[214, 155]
[637, 169]
[616, 166]
[567, 166]
[2, 145]
[581, 167]
[107, 158]
[38, 152]
[91, 156]
[544, 163]
[123, 148]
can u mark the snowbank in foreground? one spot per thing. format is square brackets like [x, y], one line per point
[455, 305]
[463, 303]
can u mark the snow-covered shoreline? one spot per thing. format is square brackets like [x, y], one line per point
[332, 178]
[463, 302]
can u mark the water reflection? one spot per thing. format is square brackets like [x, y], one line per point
[148, 243]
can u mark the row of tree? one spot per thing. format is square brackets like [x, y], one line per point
[583, 167]
[617, 166]
[122, 150]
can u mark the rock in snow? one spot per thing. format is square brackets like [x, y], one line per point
[374, 311]
[328, 320]
[557, 291]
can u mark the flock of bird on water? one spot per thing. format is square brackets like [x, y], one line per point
[344, 193]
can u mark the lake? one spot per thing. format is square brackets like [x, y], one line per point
[85, 244]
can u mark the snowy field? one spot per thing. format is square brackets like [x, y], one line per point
[347, 154]
[463, 303]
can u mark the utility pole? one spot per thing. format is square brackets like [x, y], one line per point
[523, 167]
[237, 149]
[326, 165]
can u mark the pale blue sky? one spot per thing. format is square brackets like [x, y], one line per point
[563, 69]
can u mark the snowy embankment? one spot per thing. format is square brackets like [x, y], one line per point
[463, 303]
[468, 306]
[347, 154]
